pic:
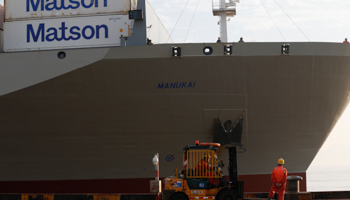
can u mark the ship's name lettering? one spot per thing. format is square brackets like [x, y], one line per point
[49, 5]
[74, 33]
[175, 85]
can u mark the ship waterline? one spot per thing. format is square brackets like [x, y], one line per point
[102, 113]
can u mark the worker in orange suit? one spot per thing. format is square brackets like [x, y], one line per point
[279, 180]
[205, 169]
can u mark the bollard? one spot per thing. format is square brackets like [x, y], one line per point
[293, 192]
[156, 185]
[293, 183]
[156, 164]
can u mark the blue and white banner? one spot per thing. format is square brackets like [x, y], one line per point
[32, 9]
[64, 33]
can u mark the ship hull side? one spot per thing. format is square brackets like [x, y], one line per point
[102, 123]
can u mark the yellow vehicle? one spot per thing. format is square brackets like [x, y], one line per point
[202, 176]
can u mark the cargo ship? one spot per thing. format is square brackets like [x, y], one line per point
[86, 100]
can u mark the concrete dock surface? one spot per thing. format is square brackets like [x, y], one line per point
[344, 195]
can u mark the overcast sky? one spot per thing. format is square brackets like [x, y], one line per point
[326, 20]
[299, 21]
[311, 20]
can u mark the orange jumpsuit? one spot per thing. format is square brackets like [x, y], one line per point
[204, 168]
[279, 182]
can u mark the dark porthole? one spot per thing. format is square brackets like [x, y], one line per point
[61, 55]
[207, 50]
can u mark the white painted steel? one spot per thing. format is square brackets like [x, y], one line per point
[24, 69]
[224, 10]
[1, 16]
[65, 33]
[155, 28]
[223, 24]
[31, 9]
[1, 27]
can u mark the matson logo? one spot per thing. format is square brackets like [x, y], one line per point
[50, 34]
[49, 5]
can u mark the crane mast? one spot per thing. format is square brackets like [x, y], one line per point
[224, 9]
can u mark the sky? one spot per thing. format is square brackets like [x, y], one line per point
[273, 21]
[297, 20]
[300, 20]
[192, 21]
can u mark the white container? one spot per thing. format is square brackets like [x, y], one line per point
[65, 33]
[42, 9]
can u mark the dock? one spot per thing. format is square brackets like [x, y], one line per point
[148, 196]
[302, 195]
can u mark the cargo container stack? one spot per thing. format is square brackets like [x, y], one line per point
[32, 25]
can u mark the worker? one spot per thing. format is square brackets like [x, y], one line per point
[205, 169]
[346, 40]
[219, 40]
[241, 40]
[279, 180]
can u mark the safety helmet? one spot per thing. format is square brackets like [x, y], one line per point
[280, 161]
[206, 155]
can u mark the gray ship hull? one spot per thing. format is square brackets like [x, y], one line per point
[101, 114]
